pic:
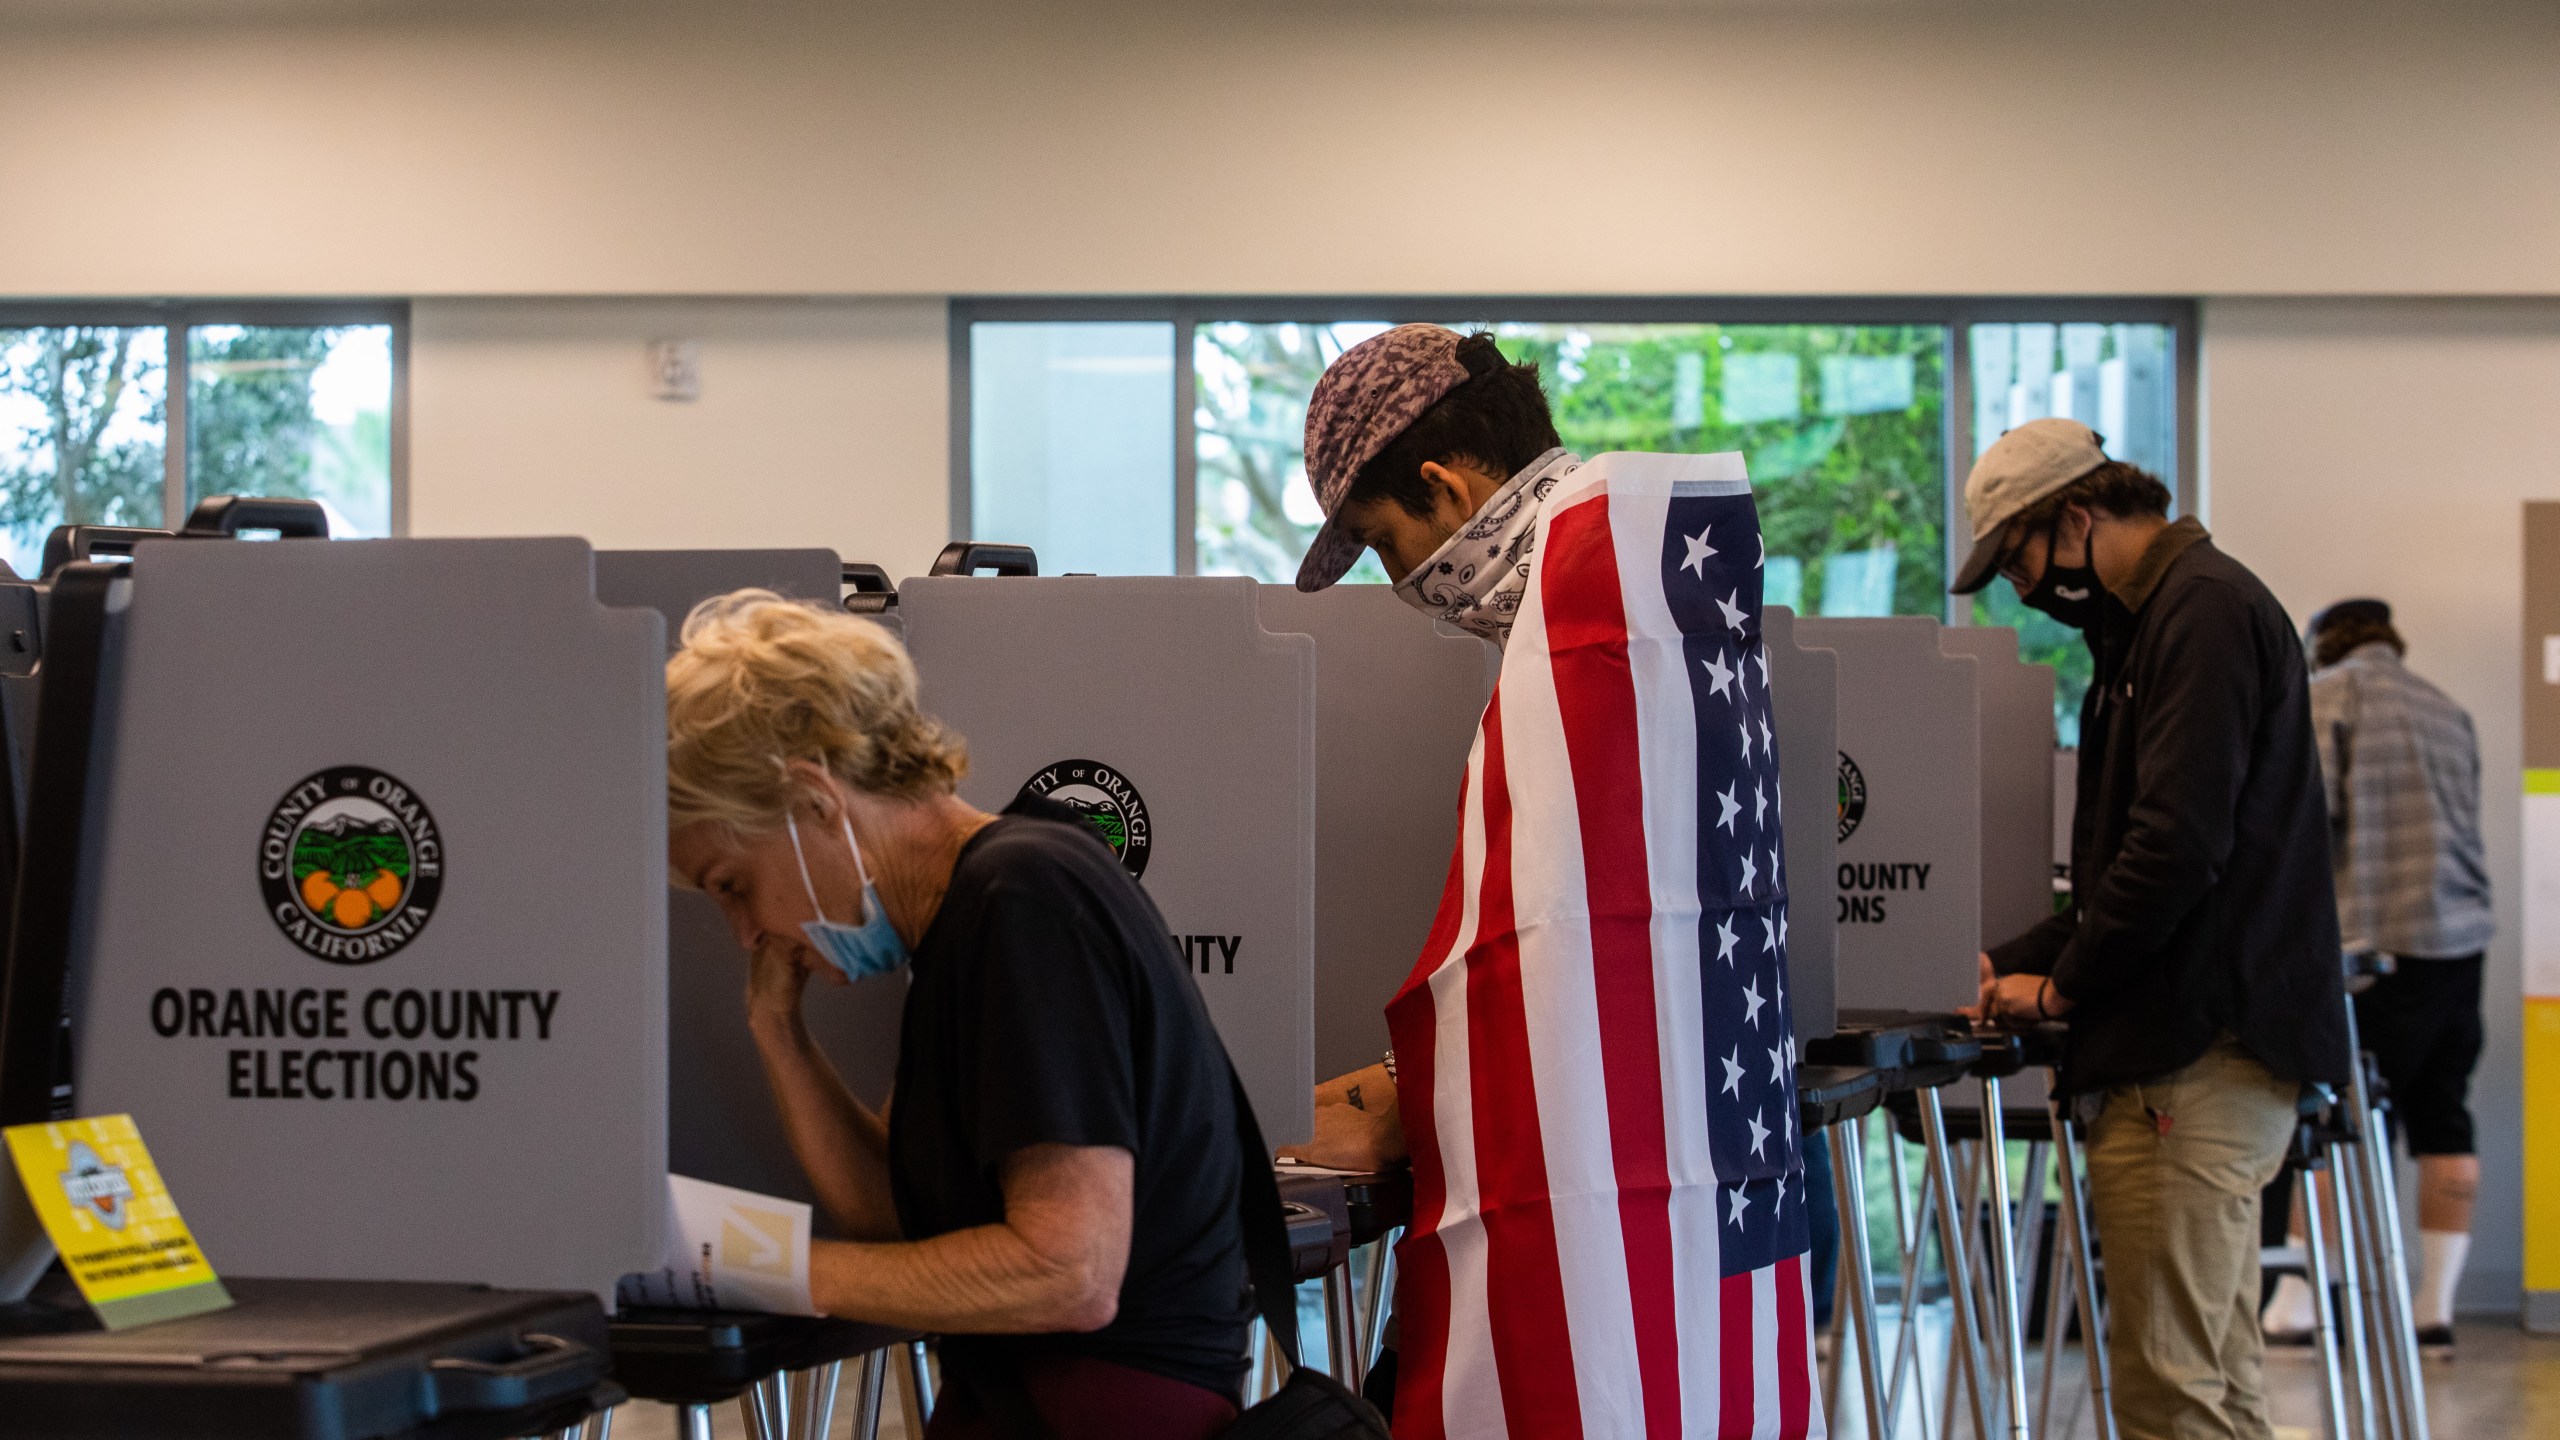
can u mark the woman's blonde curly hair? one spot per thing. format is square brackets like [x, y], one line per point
[762, 681]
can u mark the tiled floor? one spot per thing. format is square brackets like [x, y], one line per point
[2505, 1385]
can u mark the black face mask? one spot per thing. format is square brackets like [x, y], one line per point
[2071, 594]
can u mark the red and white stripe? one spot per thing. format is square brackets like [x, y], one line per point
[1560, 1276]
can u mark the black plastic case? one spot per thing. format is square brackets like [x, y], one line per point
[315, 1360]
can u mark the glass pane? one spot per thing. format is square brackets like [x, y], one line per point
[1841, 424]
[1071, 442]
[82, 415]
[2119, 380]
[1256, 515]
[293, 410]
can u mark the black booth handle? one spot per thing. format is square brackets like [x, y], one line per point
[873, 592]
[230, 514]
[71, 544]
[968, 557]
[551, 1367]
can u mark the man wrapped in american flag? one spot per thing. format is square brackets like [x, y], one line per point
[1593, 1073]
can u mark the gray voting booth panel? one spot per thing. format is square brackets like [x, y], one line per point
[465, 1082]
[1163, 708]
[1397, 702]
[721, 1124]
[2015, 701]
[1804, 685]
[1908, 815]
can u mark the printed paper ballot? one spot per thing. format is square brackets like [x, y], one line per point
[101, 1200]
[728, 1249]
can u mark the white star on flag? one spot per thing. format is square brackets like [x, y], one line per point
[1752, 1002]
[1764, 552]
[1740, 1204]
[1746, 742]
[1777, 1064]
[1699, 550]
[1733, 1073]
[1769, 936]
[1773, 864]
[1768, 738]
[1760, 653]
[1732, 612]
[1723, 674]
[1731, 808]
[1759, 805]
[1724, 939]
[1759, 1136]
[1750, 871]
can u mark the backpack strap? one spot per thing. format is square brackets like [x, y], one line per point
[1266, 1229]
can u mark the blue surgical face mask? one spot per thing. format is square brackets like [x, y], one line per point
[870, 948]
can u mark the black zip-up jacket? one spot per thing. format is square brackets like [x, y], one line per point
[2201, 892]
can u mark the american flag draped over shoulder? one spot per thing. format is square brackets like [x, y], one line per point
[1596, 1073]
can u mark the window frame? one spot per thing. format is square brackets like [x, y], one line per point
[1955, 317]
[177, 317]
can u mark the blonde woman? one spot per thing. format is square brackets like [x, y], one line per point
[1055, 1192]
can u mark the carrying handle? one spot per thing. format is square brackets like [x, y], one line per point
[550, 1368]
[228, 515]
[72, 544]
[968, 557]
[873, 591]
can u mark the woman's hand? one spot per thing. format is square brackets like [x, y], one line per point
[1358, 1123]
[775, 982]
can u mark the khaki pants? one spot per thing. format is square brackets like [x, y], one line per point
[2177, 1216]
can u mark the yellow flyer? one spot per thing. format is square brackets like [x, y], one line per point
[101, 1200]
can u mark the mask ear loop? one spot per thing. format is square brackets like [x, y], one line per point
[859, 869]
[792, 823]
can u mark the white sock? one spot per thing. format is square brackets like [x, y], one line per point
[2289, 1309]
[2441, 1253]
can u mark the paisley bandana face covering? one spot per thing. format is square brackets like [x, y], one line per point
[870, 948]
[1477, 580]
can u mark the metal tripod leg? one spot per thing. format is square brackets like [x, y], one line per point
[1966, 1342]
[2057, 1312]
[2399, 1339]
[1382, 1289]
[875, 1387]
[817, 1407]
[2353, 1294]
[1907, 1369]
[2004, 1270]
[915, 1388]
[1848, 1178]
[2076, 1228]
[2324, 1333]
[1342, 1325]
[693, 1422]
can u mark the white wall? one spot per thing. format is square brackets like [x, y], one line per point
[820, 423]
[2386, 448]
[1150, 146]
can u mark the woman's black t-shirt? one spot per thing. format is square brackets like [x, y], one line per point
[1048, 1006]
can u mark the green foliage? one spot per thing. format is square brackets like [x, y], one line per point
[70, 467]
[250, 430]
[2043, 640]
[1825, 483]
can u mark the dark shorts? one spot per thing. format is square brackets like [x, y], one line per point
[2422, 1023]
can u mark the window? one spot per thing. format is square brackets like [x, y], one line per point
[1151, 437]
[2121, 380]
[270, 400]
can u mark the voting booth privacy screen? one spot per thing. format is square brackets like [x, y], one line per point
[1397, 702]
[721, 1122]
[1909, 818]
[1804, 690]
[368, 933]
[1184, 731]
